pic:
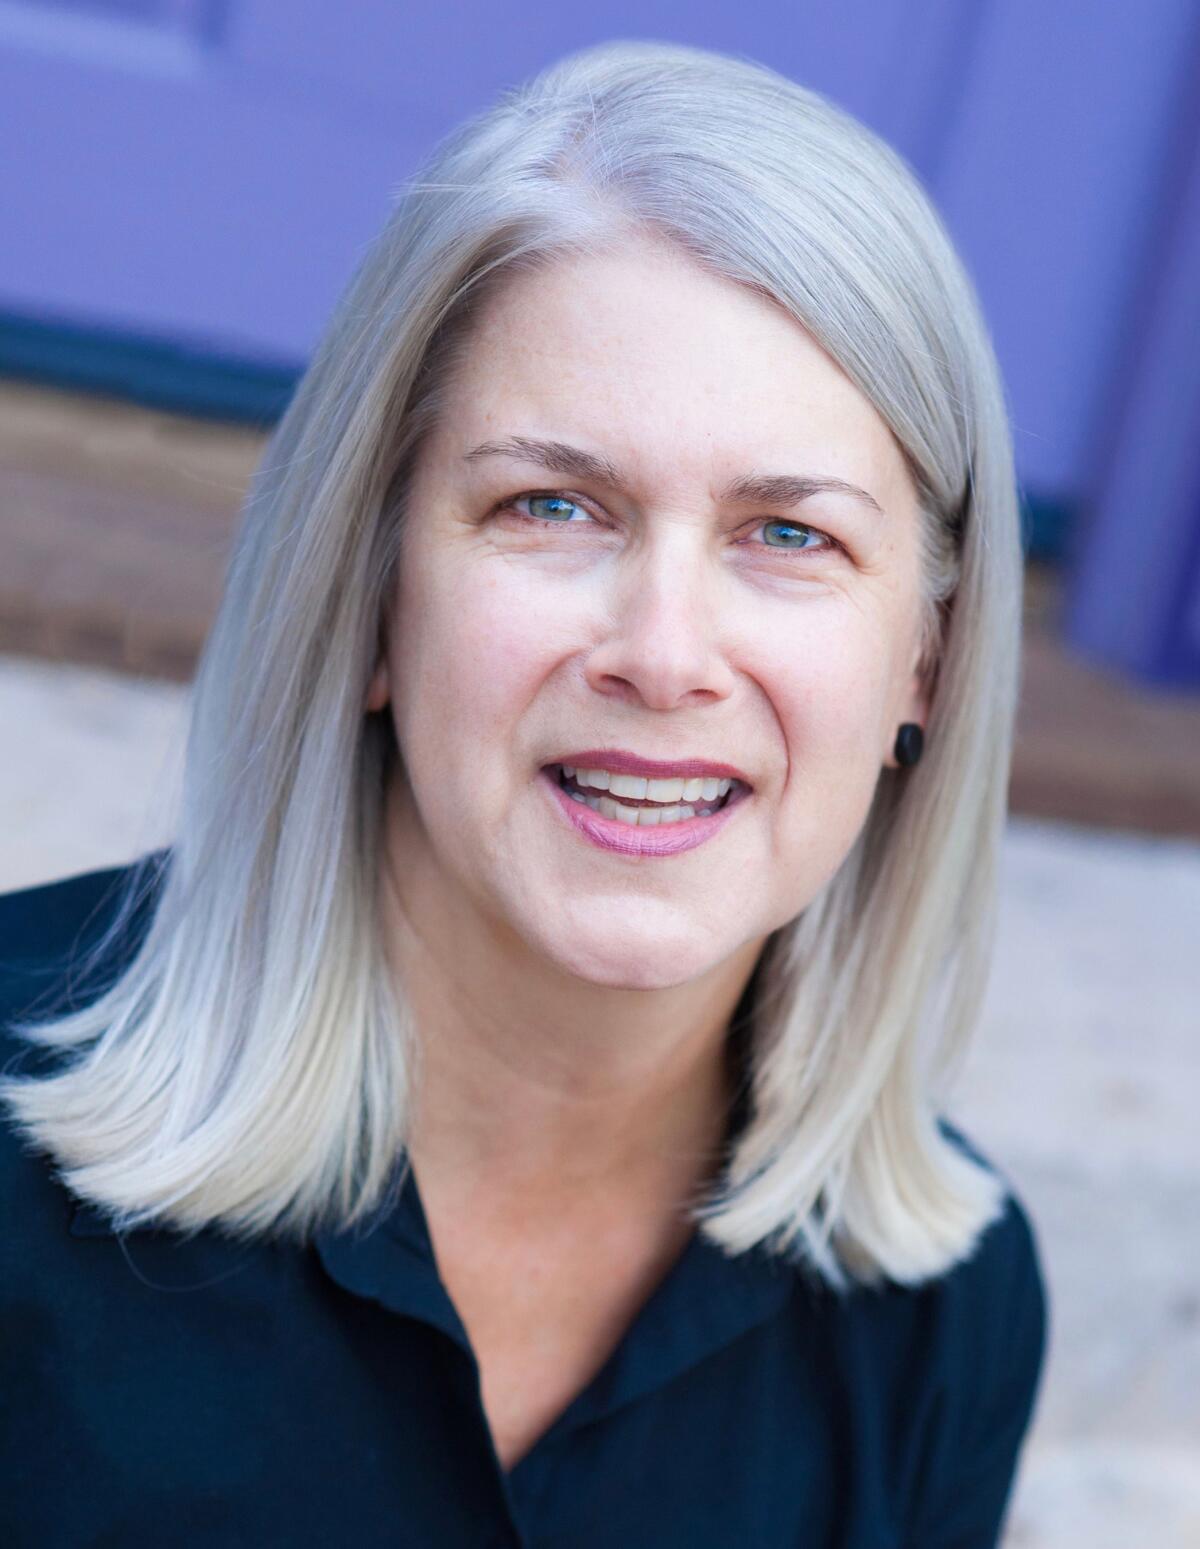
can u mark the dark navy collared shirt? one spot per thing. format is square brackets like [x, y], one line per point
[157, 1389]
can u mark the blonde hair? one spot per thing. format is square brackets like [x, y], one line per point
[251, 1066]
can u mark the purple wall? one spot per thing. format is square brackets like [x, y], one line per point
[210, 170]
[1135, 587]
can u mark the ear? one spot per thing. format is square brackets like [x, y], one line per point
[914, 707]
[378, 689]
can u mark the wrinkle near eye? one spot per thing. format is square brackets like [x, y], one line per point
[521, 506]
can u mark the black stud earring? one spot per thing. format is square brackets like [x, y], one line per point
[910, 740]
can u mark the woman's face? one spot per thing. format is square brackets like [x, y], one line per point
[627, 596]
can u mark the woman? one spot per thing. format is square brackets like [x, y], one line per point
[508, 1114]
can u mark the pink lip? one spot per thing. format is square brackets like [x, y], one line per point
[633, 839]
[620, 762]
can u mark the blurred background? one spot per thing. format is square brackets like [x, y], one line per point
[188, 186]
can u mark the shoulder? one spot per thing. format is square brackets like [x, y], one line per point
[54, 936]
[1006, 1253]
[991, 1307]
[974, 1318]
[983, 1332]
[999, 1287]
[62, 943]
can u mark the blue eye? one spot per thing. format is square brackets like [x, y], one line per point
[795, 527]
[551, 518]
[555, 511]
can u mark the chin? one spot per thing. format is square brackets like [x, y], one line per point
[637, 976]
[619, 961]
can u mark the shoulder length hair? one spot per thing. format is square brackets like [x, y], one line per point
[251, 1068]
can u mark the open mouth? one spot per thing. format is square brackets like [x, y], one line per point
[643, 811]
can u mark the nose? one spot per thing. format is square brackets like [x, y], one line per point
[664, 647]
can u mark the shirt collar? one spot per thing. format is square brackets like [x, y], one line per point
[706, 1300]
[388, 1258]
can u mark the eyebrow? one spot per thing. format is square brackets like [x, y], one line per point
[772, 489]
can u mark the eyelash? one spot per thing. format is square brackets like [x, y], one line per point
[831, 545]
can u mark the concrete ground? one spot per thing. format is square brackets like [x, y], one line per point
[1082, 1086]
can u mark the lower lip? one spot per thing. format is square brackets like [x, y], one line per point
[633, 839]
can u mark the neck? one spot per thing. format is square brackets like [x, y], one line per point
[534, 1088]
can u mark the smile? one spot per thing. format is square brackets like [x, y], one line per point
[637, 825]
[648, 804]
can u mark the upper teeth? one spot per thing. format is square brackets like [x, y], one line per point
[639, 789]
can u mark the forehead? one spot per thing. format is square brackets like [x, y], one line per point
[668, 369]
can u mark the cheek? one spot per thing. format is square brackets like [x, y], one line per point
[827, 694]
[828, 687]
[464, 645]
